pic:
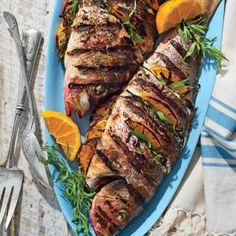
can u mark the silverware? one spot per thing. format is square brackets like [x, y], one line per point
[30, 145]
[11, 178]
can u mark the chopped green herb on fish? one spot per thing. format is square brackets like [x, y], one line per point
[130, 27]
[156, 155]
[75, 6]
[162, 117]
[179, 84]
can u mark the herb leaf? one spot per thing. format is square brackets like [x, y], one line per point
[162, 117]
[194, 32]
[74, 6]
[179, 84]
[76, 190]
[156, 155]
[130, 27]
[140, 136]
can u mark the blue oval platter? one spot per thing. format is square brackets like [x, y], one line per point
[165, 192]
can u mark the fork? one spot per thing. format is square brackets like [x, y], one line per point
[11, 178]
[30, 145]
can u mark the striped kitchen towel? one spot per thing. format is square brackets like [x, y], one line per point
[218, 139]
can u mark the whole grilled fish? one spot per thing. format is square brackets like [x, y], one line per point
[101, 55]
[135, 139]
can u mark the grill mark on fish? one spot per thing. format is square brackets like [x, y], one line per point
[158, 101]
[137, 161]
[105, 160]
[94, 85]
[102, 213]
[107, 27]
[102, 68]
[179, 47]
[109, 50]
[137, 196]
[164, 100]
[160, 130]
[171, 66]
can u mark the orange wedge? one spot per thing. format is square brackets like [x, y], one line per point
[172, 12]
[65, 131]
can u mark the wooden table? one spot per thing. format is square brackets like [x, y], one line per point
[38, 213]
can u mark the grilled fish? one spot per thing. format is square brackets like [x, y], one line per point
[69, 10]
[101, 56]
[143, 133]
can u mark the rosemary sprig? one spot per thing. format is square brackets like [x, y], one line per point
[194, 32]
[76, 190]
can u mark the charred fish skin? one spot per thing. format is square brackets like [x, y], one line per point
[101, 57]
[143, 19]
[110, 214]
[139, 145]
[64, 28]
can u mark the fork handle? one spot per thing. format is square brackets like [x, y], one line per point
[19, 110]
[14, 31]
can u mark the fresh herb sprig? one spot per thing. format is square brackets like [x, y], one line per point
[130, 27]
[180, 84]
[156, 155]
[162, 117]
[76, 190]
[75, 6]
[194, 32]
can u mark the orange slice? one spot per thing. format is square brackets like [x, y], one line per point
[168, 76]
[164, 74]
[172, 12]
[65, 131]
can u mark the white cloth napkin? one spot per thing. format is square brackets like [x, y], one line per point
[206, 201]
[218, 141]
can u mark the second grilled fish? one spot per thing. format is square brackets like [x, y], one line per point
[101, 56]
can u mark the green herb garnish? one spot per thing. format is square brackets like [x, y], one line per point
[75, 6]
[179, 84]
[140, 136]
[76, 190]
[162, 117]
[130, 27]
[194, 32]
[156, 155]
[159, 114]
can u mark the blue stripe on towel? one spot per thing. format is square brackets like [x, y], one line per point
[218, 165]
[221, 119]
[224, 105]
[219, 135]
[216, 152]
[205, 136]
